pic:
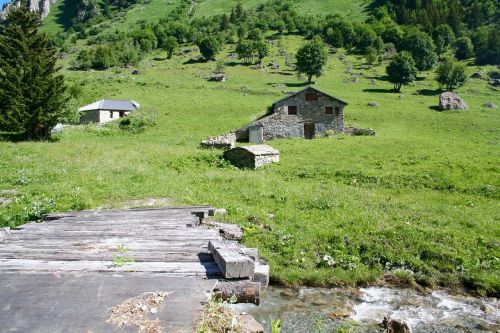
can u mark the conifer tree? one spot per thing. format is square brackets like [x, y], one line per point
[32, 94]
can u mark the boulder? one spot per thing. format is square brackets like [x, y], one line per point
[136, 72]
[451, 101]
[5, 201]
[395, 326]
[495, 82]
[373, 104]
[476, 75]
[490, 105]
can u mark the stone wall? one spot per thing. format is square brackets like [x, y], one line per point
[282, 125]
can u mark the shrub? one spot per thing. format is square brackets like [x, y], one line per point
[401, 70]
[463, 48]
[138, 121]
[451, 74]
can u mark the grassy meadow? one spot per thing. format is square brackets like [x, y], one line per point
[419, 199]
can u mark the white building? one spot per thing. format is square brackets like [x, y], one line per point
[106, 110]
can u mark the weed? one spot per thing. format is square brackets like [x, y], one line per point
[121, 259]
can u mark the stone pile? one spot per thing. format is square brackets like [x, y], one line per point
[359, 131]
[225, 141]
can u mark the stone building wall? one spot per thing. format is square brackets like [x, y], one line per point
[280, 124]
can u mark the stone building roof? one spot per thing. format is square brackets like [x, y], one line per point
[260, 150]
[111, 105]
[307, 88]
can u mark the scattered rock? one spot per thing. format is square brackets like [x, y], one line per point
[476, 75]
[451, 101]
[487, 309]
[11, 193]
[341, 313]
[248, 324]
[495, 83]
[58, 129]
[63, 55]
[218, 77]
[495, 75]
[395, 326]
[490, 105]
[359, 131]
[5, 201]
[373, 104]
[136, 72]
[490, 327]
[226, 141]
[220, 211]
[274, 65]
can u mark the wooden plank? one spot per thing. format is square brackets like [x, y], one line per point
[233, 264]
[185, 268]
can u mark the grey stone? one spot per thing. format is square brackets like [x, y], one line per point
[395, 326]
[9, 192]
[476, 75]
[261, 274]
[220, 211]
[5, 201]
[136, 72]
[490, 105]
[252, 157]
[451, 101]
[58, 129]
[248, 324]
[373, 104]
[233, 264]
[495, 82]
[359, 131]
[226, 141]
[218, 77]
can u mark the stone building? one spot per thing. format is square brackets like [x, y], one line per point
[305, 114]
[105, 110]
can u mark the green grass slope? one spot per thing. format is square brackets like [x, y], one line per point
[422, 195]
[351, 8]
[155, 9]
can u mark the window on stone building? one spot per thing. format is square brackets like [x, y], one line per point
[311, 96]
[328, 110]
[292, 110]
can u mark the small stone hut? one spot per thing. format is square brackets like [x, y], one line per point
[252, 157]
[304, 114]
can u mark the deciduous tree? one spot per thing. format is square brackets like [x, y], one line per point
[311, 58]
[401, 70]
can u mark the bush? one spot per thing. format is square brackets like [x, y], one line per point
[138, 121]
[463, 48]
[451, 74]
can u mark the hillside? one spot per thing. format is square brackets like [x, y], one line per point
[419, 199]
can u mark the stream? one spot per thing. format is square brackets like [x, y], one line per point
[349, 310]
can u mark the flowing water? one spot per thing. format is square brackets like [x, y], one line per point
[362, 310]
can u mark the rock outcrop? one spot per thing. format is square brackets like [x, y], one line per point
[395, 326]
[38, 6]
[451, 101]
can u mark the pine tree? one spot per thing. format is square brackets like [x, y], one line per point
[32, 94]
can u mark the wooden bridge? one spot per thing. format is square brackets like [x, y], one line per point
[68, 273]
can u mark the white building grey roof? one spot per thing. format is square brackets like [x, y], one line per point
[111, 105]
